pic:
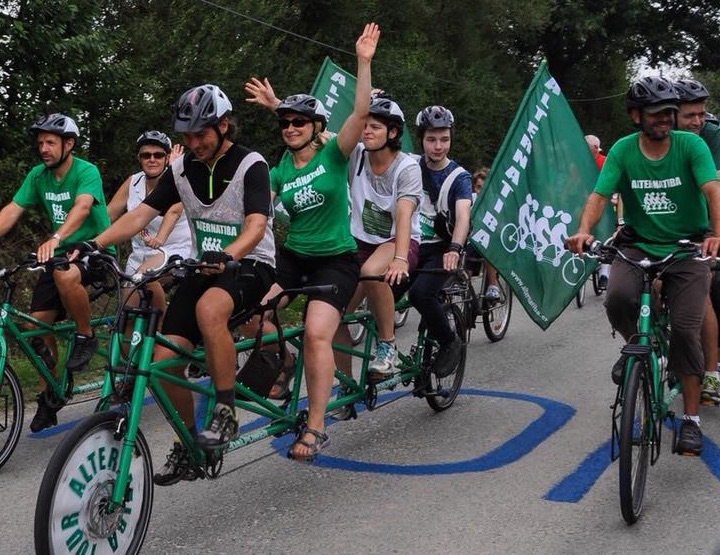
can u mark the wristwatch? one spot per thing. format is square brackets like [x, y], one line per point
[56, 235]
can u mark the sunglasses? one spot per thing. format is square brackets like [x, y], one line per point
[148, 155]
[295, 122]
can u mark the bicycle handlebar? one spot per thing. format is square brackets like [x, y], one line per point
[685, 247]
[30, 263]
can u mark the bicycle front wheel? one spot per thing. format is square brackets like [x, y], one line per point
[442, 392]
[496, 314]
[635, 435]
[72, 512]
[580, 296]
[11, 413]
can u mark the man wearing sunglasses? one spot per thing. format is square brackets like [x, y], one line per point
[70, 192]
[171, 231]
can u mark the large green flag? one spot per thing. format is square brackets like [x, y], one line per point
[532, 201]
[335, 88]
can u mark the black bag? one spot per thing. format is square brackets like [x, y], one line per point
[262, 367]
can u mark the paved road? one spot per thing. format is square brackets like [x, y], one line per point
[518, 465]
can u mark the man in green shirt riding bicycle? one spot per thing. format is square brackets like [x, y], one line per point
[667, 181]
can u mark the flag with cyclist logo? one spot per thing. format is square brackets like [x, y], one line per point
[532, 200]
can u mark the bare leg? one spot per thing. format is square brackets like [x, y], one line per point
[74, 298]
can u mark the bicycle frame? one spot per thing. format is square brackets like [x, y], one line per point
[11, 324]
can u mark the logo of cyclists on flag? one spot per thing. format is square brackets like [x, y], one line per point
[543, 232]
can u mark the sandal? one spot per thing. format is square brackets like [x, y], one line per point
[320, 442]
[280, 390]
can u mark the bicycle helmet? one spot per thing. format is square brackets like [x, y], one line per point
[711, 118]
[652, 94]
[387, 110]
[306, 105]
[156, 138]
[434, 117]
[200, 107]
[57, 124]
[689, 90]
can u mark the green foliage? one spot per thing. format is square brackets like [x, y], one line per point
[118, 66]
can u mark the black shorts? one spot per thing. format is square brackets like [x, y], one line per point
[180, 316]
[342, 270]
[46, 296]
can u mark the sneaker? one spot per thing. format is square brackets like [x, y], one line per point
[618, 369]
[176, 468]
[493, 294]
[602, 283]
[711, 390]
[447, 357]
[83, 350]
[222, 428]
[382, 366]
[45, 417]
[690, 442]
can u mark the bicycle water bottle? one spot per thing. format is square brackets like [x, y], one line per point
[43, 351]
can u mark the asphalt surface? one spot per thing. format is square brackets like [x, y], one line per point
[520, 464]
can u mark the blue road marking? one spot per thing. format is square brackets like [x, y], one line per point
[575, 485]
[555, 415]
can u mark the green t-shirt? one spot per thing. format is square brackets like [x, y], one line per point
[57, 197]
[662, 199]
[710, 133]
[316, 200]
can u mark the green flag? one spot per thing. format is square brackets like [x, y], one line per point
[532, 201]
[335, 88]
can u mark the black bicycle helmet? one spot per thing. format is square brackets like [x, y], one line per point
[689, 90]
[306, 105]
[156, 138]
[57, 124]
[653, 91]
[387, 110]
[200, 107]
[434, 117]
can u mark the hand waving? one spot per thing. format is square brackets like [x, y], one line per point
[367, 43]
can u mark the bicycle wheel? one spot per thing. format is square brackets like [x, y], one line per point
[72, 507]
[401, 317]
[442, 392]
[635, 432]
[357, 330]
[11, 413]
[580, 296]
[496, 314]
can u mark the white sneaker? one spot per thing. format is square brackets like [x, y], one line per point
[382, 365]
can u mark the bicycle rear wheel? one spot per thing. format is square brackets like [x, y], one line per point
[496, 314]
[72, 507]
[442, 392]
[635, 434]
[11, 413]
[596, 282]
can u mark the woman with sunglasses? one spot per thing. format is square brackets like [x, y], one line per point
[311, 181]
[171, 231]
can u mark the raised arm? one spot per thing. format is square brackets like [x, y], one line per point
[351, 131]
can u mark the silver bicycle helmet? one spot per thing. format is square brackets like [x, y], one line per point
[434, 117]
[200, 107]
[58, 124]
[156, 138]
[306, 105]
